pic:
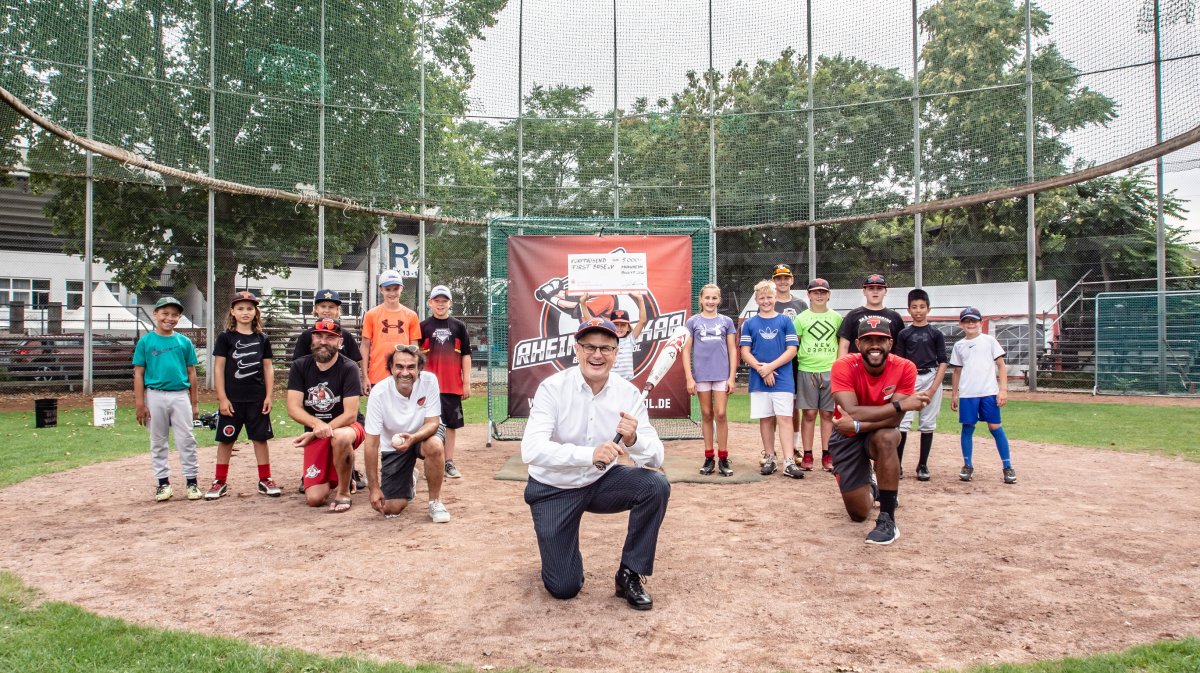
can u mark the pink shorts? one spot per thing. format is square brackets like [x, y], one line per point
[318, 458]
[711, 386]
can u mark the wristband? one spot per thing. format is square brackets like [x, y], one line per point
[857, 427]
[896, 406]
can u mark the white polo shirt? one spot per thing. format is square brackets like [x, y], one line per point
[389, 412]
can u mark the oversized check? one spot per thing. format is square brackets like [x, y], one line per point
[611, 273]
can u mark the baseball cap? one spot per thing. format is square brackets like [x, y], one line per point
[327, 295]
[244, 295]
[328, 327]
[875, 279]
[818, 284]
[874, 325]
[619, 315]
[440, 291]
[596, 325]
[970, 313]
[390, 277]
[781, 270]
[168, 301]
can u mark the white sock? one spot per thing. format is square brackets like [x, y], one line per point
[795, 441]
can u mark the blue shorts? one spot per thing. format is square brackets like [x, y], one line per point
[971, 410]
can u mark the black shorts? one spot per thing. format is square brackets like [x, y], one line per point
[851, 460]
[452, 415]
[248, 415]
[396, 470]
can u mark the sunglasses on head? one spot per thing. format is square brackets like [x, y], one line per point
[407, 348]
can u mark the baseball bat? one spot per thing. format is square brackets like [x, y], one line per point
[666, 359]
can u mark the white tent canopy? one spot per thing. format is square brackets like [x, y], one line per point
[108, 315]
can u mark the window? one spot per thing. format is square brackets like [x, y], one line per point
[75, 292]
[33, 292]
[352, 304]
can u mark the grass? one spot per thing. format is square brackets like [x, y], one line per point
[54, 636]
[1168, 431]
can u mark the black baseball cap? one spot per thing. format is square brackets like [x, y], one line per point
[619, 315]
[328, 327]
[327, 295]
[818, 284]
[874, 325]
[875, 279]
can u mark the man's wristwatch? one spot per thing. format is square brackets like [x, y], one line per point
[896, 406]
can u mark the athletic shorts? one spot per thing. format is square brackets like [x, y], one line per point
[248, 415]
[712, 386]
[318, 459]
[765, 405]
[396, 470]
[813, 391]
[452, 415]
[929, 414]
[851, 460]
[971, 410]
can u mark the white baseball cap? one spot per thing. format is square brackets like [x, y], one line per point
[440, 291]
[391, 277]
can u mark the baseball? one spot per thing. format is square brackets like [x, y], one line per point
[398, 440]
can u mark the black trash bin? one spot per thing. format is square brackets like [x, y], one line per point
[45, 412]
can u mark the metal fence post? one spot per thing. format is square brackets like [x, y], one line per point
[422, 268]
[89, 205]
[1160, 229]
[211, 235]
[521, 109]
[321, 162]
[812, 149]
[712, 145]
[918, 221]
[616, 126]
[1031, 242]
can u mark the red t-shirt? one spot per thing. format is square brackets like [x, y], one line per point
[850, 374]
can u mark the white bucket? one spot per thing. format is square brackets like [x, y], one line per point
[104, 411]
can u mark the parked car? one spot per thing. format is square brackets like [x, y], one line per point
[60, 358]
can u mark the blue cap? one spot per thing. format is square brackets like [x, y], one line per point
[327, 295]
[970, 313]
[596, 325]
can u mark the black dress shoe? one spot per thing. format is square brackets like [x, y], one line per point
[629, 587]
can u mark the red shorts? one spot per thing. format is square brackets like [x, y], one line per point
[318, 458]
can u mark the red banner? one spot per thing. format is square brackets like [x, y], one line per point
[542, 317]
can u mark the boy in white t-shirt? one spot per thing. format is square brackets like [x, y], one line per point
[979, 387]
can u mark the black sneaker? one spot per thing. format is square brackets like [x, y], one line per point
[725, 467]
[710, 466]
[360, 482]
[922, 473]
[886, 531]
[794, 471]
[966, 473]
[769, 467]
[1010, 475]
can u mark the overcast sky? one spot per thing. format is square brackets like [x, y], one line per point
[571, 42]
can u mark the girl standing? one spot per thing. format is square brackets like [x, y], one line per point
[712, 374]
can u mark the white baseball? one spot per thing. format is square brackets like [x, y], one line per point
[397, 440]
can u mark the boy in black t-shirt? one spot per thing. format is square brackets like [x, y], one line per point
[447, 347]
[925, 346]
[244, 379]
[874, 290]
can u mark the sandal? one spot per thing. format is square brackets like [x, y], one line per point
[340, 505]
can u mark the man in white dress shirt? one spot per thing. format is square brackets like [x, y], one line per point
[572, 422]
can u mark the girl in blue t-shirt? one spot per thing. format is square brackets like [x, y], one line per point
[711, 371]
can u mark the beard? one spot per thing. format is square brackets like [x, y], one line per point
[323, 353]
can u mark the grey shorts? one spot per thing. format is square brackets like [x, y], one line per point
[813, 391]
[396, 470]
[851, 460]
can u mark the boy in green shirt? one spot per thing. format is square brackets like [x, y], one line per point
[817, 328]
[165, 391]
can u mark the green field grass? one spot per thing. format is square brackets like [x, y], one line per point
[53, 636]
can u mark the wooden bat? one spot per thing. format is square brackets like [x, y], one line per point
[666, 359]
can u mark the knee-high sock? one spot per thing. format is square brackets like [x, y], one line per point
[900, 448]
[966, 440]
[1002, 445]
[926, 445]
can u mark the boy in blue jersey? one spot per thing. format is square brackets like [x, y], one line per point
[768, 344]
[165, 393]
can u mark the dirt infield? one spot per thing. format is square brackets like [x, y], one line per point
[1092, 551]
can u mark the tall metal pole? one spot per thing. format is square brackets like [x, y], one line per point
[520, 109]
[211, 236]
[616, 126]
[89, 206]
[1160, 230]
[712, 150]
[812, 150]
[918, 221]
[321, 163]
[1030, 214]
[421, 268]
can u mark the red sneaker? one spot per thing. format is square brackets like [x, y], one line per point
[826, 461]
[806, 463]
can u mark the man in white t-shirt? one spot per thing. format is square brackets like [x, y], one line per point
[405, 409]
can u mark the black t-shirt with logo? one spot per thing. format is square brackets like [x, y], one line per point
[849, 328]
[925, 346]
[325, 390]
[244, 355]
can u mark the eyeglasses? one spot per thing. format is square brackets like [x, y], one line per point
[591, 348]
[407, 348]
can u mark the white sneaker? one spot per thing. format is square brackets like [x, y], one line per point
[438, 512]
